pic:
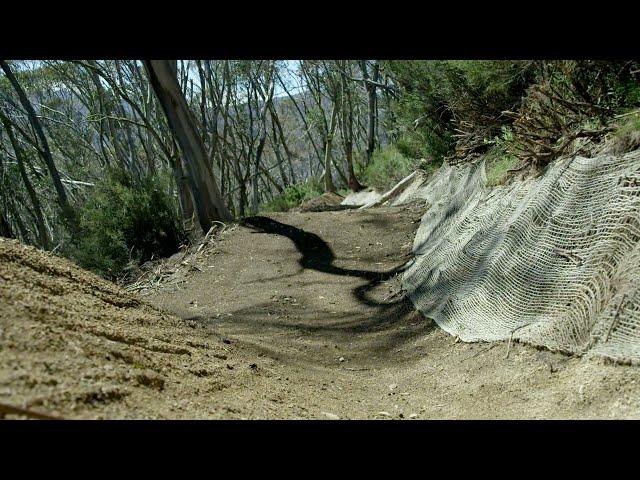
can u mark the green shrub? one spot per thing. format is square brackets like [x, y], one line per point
[498, 160]
[569, 96]
[388, 166]
[423, 144]
[497, 169]
[123, 221]
[626, 137]
[437, 96]
[293, 196]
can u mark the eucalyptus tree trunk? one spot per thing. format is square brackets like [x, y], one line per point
[328, 180]
[370, 86]
[267, 98]
[209, 203]
[43, 235]
[105, 108]
[255, 198]
[184, 196]
[347, 129]
[303, 117]
[25, 236]
[5, 227]
[43, 148]
[279, 159]
[275, 120]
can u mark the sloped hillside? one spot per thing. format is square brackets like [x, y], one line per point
[72, 344]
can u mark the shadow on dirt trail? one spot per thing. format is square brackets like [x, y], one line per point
[378, 316]
[317, 255]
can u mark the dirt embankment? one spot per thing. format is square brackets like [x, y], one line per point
[76, 346]
[296, 315]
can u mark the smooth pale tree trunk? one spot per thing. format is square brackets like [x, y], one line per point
[373, 108]
[255, 198]
[371, 129]
[242, 198]
[184, 196]
[279, 159]
[347, 130]
[43, 148]
[209, 203]
[263, 138]
[278, 125]
[328, 180]
[103, 103]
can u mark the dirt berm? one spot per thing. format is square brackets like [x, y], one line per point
[74, 345]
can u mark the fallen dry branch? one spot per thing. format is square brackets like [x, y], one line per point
[394, 192]
[178, 266]
[11, 410]
[475, 354]
[550, 121]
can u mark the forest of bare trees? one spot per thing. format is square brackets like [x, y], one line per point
[129, 159]
[224, 136]
[260, 126]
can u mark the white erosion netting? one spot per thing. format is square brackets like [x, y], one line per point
[361, 198]
[555, 261]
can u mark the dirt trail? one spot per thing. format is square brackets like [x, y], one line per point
[296, 315]
[313, 302]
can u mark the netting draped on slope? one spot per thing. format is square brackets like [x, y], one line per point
[555, 261]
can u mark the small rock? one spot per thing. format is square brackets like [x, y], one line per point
[384, 414]
[332, 416]
[393, 386]
[413, 415]
[341, 359]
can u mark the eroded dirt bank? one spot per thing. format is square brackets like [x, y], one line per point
[297, 315]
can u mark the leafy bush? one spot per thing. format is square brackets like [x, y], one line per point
[436, 97]
[423, 144]
[387, 167]
[293, 196]
[453, 107]
[626, 137]
[123, 221]
[497, 168]
[571, 99]
[607, 84]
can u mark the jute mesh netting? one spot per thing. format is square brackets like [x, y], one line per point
[554, 261]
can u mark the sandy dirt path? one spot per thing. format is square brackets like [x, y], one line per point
[316, 324]
[296, 315]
